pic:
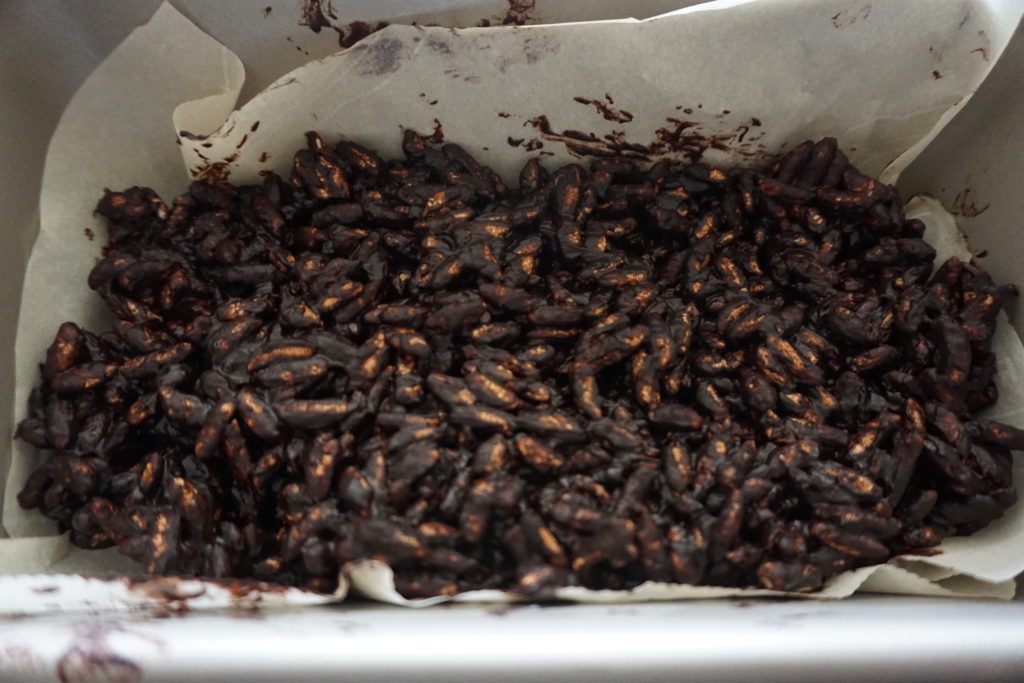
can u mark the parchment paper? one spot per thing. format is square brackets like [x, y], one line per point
[757, 76]
[752, 77]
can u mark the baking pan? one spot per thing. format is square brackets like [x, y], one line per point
[975, 166]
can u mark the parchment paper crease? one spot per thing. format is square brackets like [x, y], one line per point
[747, 78]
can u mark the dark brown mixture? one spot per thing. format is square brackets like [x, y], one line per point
[607, 376]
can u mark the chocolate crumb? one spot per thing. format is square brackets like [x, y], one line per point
[315, 13]
[355, 31]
